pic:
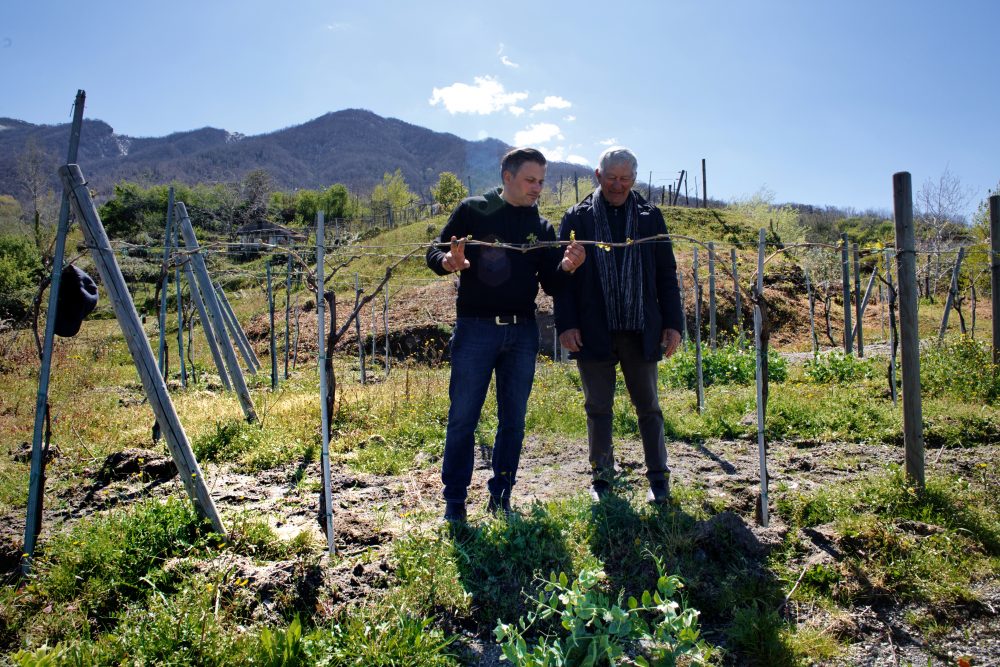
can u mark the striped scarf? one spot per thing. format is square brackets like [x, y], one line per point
[622, 288]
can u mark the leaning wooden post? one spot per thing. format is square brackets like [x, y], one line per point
[215, 314]
[845, 273]
[952, 293]
[138, 345]
[236, 330]
[323, 389]
[699, 377]
[892, 326]
[36, 478]
[711, 296]
[906, 260]
[206, 324]
[761, 414]
[274, 340]
[858, 306]
[995, 273]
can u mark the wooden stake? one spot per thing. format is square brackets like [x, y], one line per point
[761, 414]
[952, 294]
[323, 389]
[700, 388]
[138, 345]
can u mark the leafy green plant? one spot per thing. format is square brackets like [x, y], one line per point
[730, 364]
[961, 368]
[589, 629]
[837, 367]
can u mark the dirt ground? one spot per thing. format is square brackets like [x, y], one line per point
[370, 511]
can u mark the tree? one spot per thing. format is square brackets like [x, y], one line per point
[940, 222]
[391, 195]
[34, 169]
[449, 191]
[782, 222]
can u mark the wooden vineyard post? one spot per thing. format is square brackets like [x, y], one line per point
[206, 324]
[704, 185]
[236, 331]
[906, 260]
[323, 389]
[952, 293]
[175, 240]
[761, 413]
[36, 478]
[385, 326]
[215, 314]
[812, 317]
[138, 345]
[357, 331]
[845, 273]
[711, 297]
[684, 320]
[995, 273]
[163, 297]
[863, 305]
[700, 380]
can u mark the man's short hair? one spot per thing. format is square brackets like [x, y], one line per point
[515, 159]
[615, 156]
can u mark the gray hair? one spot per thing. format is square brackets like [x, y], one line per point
[615, 156]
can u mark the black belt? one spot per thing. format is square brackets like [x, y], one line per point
[503, 320]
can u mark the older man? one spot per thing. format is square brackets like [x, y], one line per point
[623, 308]
[495, 331]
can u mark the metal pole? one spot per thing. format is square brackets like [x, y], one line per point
[845, 273]
[995, 273]
[757, 324]
[288, 308]
[700, 387]
[274, 340]
[323, 389]
[138, 345]
[36, 479]
[952, 293]
[215, 313]
[858, 307]
[913, 436]
[711, 296]
[892, 330]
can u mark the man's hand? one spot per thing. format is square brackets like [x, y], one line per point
[669, 341]
[454, 259]
[572, 258]
[571, 340]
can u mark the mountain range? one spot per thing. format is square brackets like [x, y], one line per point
[354, 147]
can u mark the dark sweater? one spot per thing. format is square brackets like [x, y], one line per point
[500, 281]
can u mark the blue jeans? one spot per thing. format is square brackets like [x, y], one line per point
[480, 347]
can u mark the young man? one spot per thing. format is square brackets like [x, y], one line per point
[622, 308]
[495, 331]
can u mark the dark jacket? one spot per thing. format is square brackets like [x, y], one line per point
[582, 305]
[500, 281]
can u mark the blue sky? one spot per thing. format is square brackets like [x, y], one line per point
[820, 102]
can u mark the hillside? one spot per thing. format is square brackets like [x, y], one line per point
[353, 146]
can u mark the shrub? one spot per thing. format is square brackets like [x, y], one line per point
[20, 271]
[731, 364]
[963, 368]
[837, 367]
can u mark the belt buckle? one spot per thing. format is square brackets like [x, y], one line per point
[499, 320]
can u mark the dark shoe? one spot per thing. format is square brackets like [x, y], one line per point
[599, 490]
[497, 506]
[659, 493]
[454, 511]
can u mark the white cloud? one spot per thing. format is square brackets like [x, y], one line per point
[482, 134]
[515, 110]
[569, 119]
[508, 62]
[485, 96]
[578, 159]
[608, 142]
[537, 133]
[552, 102]
[338, 27]
[558, 154]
